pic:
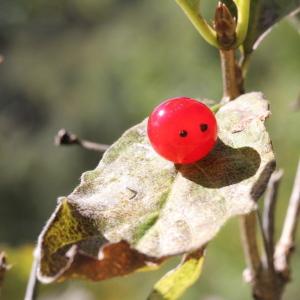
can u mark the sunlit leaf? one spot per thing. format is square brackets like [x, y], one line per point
[177, 281]
[135, 209]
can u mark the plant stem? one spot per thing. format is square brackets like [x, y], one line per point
[32, 285]
[269, 215]
[231, 82]
[243, 7]
[65, 138]
[192, 12]
[286, 242]
[248, 231]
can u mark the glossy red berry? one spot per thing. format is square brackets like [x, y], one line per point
[182, 130]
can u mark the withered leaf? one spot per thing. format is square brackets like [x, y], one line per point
[136, 208]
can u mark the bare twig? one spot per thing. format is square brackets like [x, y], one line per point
[32, 285]
[268, 215]
[225, 26]
[231, 75]
[263, 280]
[285, 246]
[249, 241]
[65, 138]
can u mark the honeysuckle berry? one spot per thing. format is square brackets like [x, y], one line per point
[182, 130]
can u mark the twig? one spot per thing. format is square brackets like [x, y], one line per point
[248, 231]
[262, 279]
[285, 246]
[225, 26]
[32, 285]
[231, 89]
[268, 215]
[65, 138]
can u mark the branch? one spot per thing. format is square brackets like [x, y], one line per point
[249, 241]
[286, 243]
[32, 285]
[268, 215]
[231, 75]
[65, 138]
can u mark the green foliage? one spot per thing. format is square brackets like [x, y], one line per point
[175, 282]
[192, 10]
[254, 19]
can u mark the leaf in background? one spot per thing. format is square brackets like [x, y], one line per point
[136, 208]
[263, 15]
[177, 281]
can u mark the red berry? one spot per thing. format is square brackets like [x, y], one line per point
[182, 130]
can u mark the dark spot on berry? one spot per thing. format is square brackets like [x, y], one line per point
[203, 127]
[183, 133]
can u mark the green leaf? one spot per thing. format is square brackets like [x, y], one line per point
[136, 208]
[263, 15]
[192, 10]
[177, 281]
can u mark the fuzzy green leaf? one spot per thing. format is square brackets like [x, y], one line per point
[137, 208]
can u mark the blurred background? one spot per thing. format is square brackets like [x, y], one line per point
[97, 67]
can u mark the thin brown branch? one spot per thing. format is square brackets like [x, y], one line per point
[32, 285]
[269, 215]
[231, 75]
[249, 241]
[286, 243]
[65, 138]
[263, 280]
